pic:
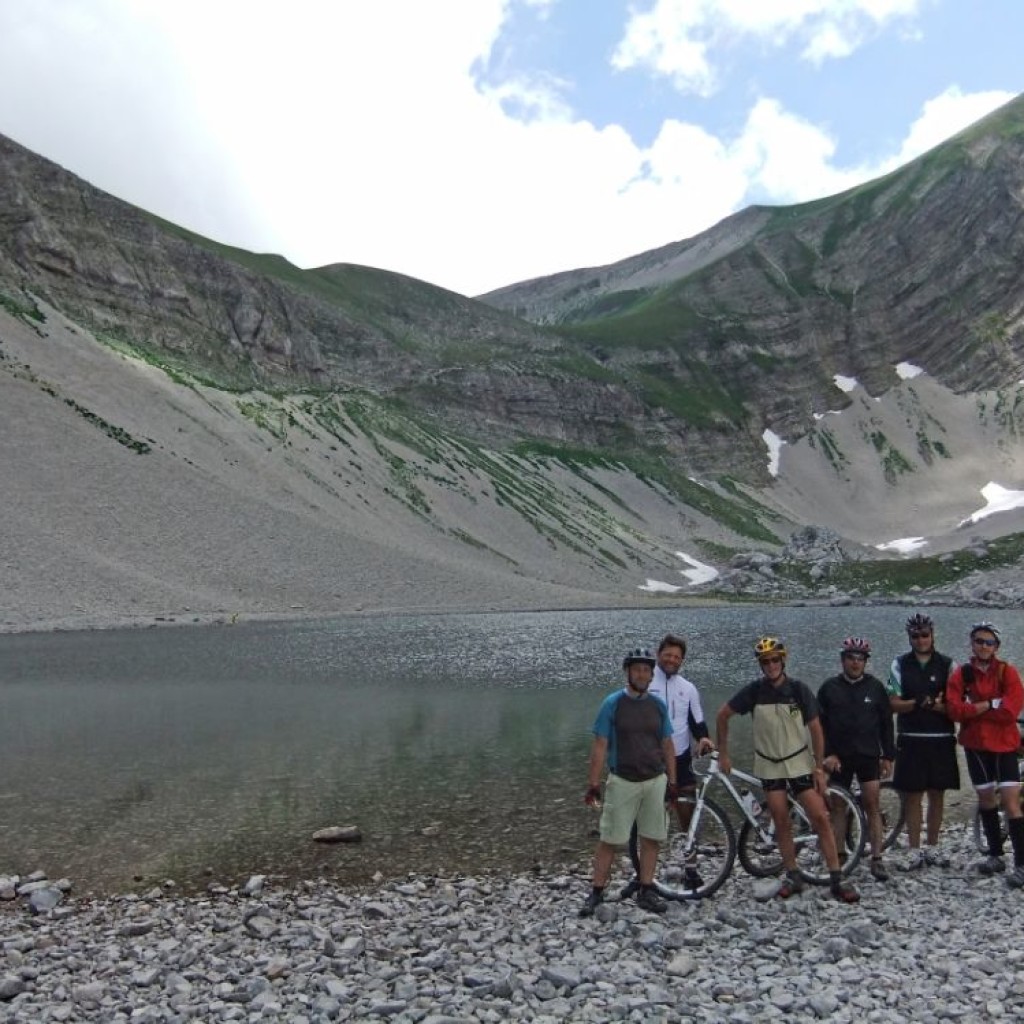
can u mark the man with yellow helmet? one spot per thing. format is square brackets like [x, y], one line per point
[784, 712]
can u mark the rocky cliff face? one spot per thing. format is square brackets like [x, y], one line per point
[249, 320]
[925, 265]
[688, 352]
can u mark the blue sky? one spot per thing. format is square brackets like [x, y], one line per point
[474, 143]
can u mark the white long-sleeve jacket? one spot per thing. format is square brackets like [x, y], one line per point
[684, 708]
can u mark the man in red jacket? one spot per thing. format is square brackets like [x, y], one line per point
[985, 696]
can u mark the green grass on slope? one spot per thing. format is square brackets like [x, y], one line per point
[742, 515]
[24, 309]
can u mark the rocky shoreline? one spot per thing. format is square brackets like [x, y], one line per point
[818, 552]
[993, 590]
[935, 945]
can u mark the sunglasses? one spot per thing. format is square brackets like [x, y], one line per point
[919, 636]
[983, 641]
[853, 656]
[771, 661]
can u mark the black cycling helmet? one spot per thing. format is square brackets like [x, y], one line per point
[920, 623]
[639, 656]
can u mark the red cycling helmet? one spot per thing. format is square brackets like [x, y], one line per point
[856, 645]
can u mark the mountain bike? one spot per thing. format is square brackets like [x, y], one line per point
[710, 844]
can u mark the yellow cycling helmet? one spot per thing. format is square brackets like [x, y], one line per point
[770, 646]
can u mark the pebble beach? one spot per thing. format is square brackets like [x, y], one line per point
[931, 945]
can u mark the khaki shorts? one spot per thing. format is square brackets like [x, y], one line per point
[627, 802]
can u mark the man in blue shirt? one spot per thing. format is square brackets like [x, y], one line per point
[633, 735]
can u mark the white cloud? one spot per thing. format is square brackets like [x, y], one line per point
[662, 40]
[360, 132]
[681, 39]
[788, 157]
[943, 116]
[542, 7]
[101, 92]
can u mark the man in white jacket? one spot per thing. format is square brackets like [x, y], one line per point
[686, 712]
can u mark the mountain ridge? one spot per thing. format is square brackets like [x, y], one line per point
[480, 460]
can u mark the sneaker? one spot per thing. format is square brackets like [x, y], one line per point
[844, 892]
[878, 870]
[692, 879]
[913, 860]
[935, 857]
[791, 885]
[1015, 878]
[631, 888]
[593, 901]
[991, 865]
[650, 901]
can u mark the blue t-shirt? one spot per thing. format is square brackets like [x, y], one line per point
[635, 728]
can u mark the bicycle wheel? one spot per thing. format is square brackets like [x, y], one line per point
[890, 802]
[809, 859]
[710, 854]
[758, 851]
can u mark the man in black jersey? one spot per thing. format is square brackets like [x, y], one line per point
[925, 741]
[857, 722]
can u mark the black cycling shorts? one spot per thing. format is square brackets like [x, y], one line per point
[988, 769]
[684, 771]
[796, 786]
[866, 769]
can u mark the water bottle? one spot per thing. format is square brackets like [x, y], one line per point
[750, 802]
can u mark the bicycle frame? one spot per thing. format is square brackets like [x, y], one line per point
[714, 772]
[757, 835]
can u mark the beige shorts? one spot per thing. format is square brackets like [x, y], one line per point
[626, 802]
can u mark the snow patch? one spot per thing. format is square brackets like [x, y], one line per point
[657, 587]
[774, 443]
[998, 499]
[698, 571]
[904, 545]
[845, 383]
[908, 371]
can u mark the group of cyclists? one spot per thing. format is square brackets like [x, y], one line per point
[646, 733]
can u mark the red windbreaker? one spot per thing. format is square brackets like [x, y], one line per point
[993, 730]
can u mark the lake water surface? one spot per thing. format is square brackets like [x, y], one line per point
[455, 743]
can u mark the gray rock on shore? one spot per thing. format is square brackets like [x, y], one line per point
[934, 945]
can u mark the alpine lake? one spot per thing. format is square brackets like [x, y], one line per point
[455, 743]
